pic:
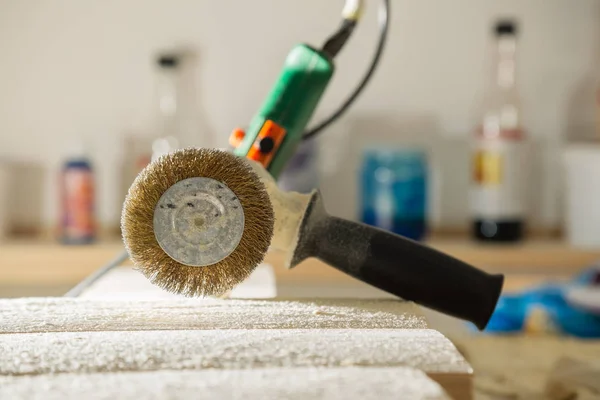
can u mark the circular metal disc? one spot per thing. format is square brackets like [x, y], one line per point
[198, 221]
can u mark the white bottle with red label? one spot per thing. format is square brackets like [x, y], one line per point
[77, 192]
[499, 170]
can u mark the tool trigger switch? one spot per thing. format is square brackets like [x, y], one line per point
[266, 145]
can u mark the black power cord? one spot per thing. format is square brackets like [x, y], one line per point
[334, 45]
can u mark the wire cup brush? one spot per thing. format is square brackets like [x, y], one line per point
[198, 221]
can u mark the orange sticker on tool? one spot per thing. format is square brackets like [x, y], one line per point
[267, 142]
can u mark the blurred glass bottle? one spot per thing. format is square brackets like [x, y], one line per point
[167, 124]
[179, 118]
[498, 202]
[174, 120]
[394, 191]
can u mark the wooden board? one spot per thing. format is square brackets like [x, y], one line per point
[81, 315]
[110, 351]
[43, 336]
[256, 384]
[135, 351]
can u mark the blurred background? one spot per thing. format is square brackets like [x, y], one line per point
[468, 93]
[478, 135]
[75, 72]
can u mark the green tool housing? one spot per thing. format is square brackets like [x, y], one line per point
[290, 105]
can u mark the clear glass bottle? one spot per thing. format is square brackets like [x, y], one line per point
[178, 122]
[498, 202]
[167, 124]
[174, 120]
[156, 135]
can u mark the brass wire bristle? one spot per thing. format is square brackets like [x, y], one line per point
[144, 249]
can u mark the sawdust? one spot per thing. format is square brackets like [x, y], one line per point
[67, 314]
[289, 209]
[91, 352]
[285, 383]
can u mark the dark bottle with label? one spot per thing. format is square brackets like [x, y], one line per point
[498, 198]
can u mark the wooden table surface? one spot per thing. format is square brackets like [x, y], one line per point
[46, 267]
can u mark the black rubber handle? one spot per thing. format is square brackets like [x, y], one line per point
[399, 266]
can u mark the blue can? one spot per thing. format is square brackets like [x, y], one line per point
[394, 190]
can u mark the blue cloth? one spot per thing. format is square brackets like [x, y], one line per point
[512, 310]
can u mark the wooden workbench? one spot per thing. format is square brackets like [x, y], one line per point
[33, 267]
[112, 336]
[43, 267]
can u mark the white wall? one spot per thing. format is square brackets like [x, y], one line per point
[73, 67]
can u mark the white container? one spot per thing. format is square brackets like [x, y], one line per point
[582, 195]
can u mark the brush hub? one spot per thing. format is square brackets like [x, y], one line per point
[198, 221]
